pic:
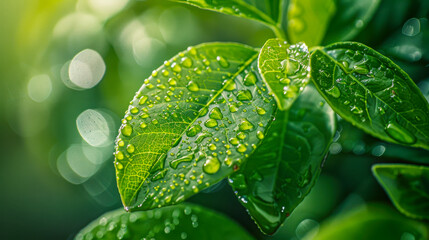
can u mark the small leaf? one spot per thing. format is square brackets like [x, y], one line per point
[184, 221]
[407, 187]
[308, 20]
[281, 172]
[372, 221]
[285, 69]
[193, 122]
[350, 18]
[370, 91]
[266, 11]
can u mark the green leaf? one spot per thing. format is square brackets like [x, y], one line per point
[184, 221]
[285, 70]
[407, 187]
[308, 20]
[370, 222]
[281, 172]
[267, 11]
[370, 91]
[192, 123]
[350, 18]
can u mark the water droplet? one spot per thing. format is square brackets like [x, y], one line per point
[361, 69]
[250, 79]
[119, 155]
[142, 99]
[234, 141]
[212, 147]
[333, 91]
[411, 27]
[245, 125]
[233, 108]
[134, 110]
[119, 165]
[192, 86]
[260, 111]
[127, 130]
[175, 163]
[210, 123]
[215, 113]
[186, 62]
[290, 66]
[241, 135]
[172, 82]
[176, 67]
[230, 86]
[165, 73]
[241, 148]
[399, 133]
[155, 121]
[121, 143]
[194, 130]
[192, 51]
[244, 95]
[260, 135]
[212, 165]
[130, 148]
[222, 62]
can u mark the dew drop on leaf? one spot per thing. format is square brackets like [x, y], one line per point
[127, 130]
[333, 91]
[210, 123]
[399, 133]
[222, 61]
[211, 165]
[215, 113]
[192, 86]
[250, 79]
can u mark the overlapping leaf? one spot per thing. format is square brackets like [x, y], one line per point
[350, 18]
[192, 123]
[184, 221]
[281, 172]
[285, 70]
[370, 91]
[370, 222]
[407, 187]
[308, 20]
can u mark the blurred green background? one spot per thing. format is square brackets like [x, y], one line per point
[57, 131]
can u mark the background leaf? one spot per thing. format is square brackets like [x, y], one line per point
[372, 221]
[350, 18]
[266, 11]
[285, 167]
[184, 221]
[285, 70]
[308, 20]
[192, 123]
[407, 187]
[370, 91]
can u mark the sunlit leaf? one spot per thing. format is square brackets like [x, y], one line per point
[370, 91]
[308, 20]
[192, 123]
[184, 221]
[407, 187]
[350, 18]
[370, 222]
[281, 172]
[285, 70]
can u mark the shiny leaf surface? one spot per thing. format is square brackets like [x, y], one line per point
[285, 70]
[184, 221]
[308, 20]
[407, 187]
[370, 91]
[192, 123]
[350, 18]
[282, 171]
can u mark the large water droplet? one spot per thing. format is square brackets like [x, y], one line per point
[194, 130]
[245, 125]
[210, 123]
[222, 62]
[244, 95]
[290, 66]
[215, 113]
[176, 67]
[130, 148]
[212, 165]
[192, 86]
[127, 130]
[250, 79]
[399, 133]
[241, 148]
[186, 62]
[333, 91]
[175, 163]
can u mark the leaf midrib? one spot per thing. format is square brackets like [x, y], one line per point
[364, 87]
[242, 68]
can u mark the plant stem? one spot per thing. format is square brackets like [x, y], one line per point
[279, 32]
